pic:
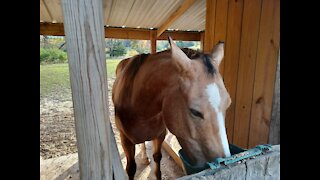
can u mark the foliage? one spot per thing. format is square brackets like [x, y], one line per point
[141, 46]
[52, 48]
[115, 48]
[52, 55]
[163, 45]
[132, 52]
[184, 44]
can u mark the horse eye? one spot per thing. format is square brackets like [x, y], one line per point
[196, 113]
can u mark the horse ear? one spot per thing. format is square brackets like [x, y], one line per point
[218, 52]
[179, 57]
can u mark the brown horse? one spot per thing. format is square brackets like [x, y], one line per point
[177, 89]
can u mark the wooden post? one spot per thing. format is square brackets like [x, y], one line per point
[83, 26]
[210, 24]
[274, 134]
[202, 34]
[153, 41]
[265, 73]
[264, 166]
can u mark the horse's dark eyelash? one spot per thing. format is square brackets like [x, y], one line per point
[196, 113]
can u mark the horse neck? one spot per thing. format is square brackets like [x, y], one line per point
[153, 82]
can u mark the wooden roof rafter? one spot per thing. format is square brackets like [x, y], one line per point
[46, 11]
[183, 8]
[56, 29]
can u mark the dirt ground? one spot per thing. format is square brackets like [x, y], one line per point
[57, 136]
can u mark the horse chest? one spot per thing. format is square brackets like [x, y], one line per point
[140, 130]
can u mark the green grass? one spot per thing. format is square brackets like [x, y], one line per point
[54, 78]
[111, 67]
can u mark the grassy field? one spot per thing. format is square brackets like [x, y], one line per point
[54, 78]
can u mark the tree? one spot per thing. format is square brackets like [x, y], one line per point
[141, 46]
[115, 48]
[127, 43]
[184, 44]
[162, 45]
[45, 41]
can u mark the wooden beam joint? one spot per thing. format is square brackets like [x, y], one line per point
[56, 29]
[183, 8]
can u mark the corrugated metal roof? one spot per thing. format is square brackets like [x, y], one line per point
[137, 13]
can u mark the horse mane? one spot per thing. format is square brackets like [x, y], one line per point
[137, 61]
[206, 59]
[134, 66]
[131, 66]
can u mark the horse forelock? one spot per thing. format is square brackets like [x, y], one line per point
[205, 58]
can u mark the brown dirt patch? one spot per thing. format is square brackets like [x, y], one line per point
[57, 136]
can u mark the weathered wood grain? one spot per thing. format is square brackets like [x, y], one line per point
[83, 25]
[210, 25]
[265, 166]
[274, 134]
[246, 71]
[183, 8]
[265, 72]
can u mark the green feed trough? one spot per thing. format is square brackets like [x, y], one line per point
[237, 154]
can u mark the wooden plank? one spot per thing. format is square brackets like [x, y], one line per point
[172, 147]
[52, 29]
[220, 31]
[266, 65]
[202, 40]
[44, 13]
[231, 59]
[246, 72]
[85, 36]
[56, 29]
[183, 8]
[266, 166]
[274, 134]
[180, 35]
[59, 168]
[55, 10]
[117, 168]
[210, 25]
[127, 33]
[143, 34]
[153, 41]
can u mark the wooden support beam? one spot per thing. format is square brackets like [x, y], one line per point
[202, 34]
[265, 72]
[86, 56]
[172, 147]
[274, 134]
[51, 29]
[183, 8]
[180, 35]
[127, 33]
[56, 29]
[45, 14]
[246, 72]
[153, 41]
[220, 30]
[231, 60]
[210, 25]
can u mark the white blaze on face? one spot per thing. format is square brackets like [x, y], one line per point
[212, 91]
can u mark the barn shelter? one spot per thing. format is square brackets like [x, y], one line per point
[249, 28]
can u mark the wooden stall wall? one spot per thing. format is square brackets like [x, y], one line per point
[251, 31]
